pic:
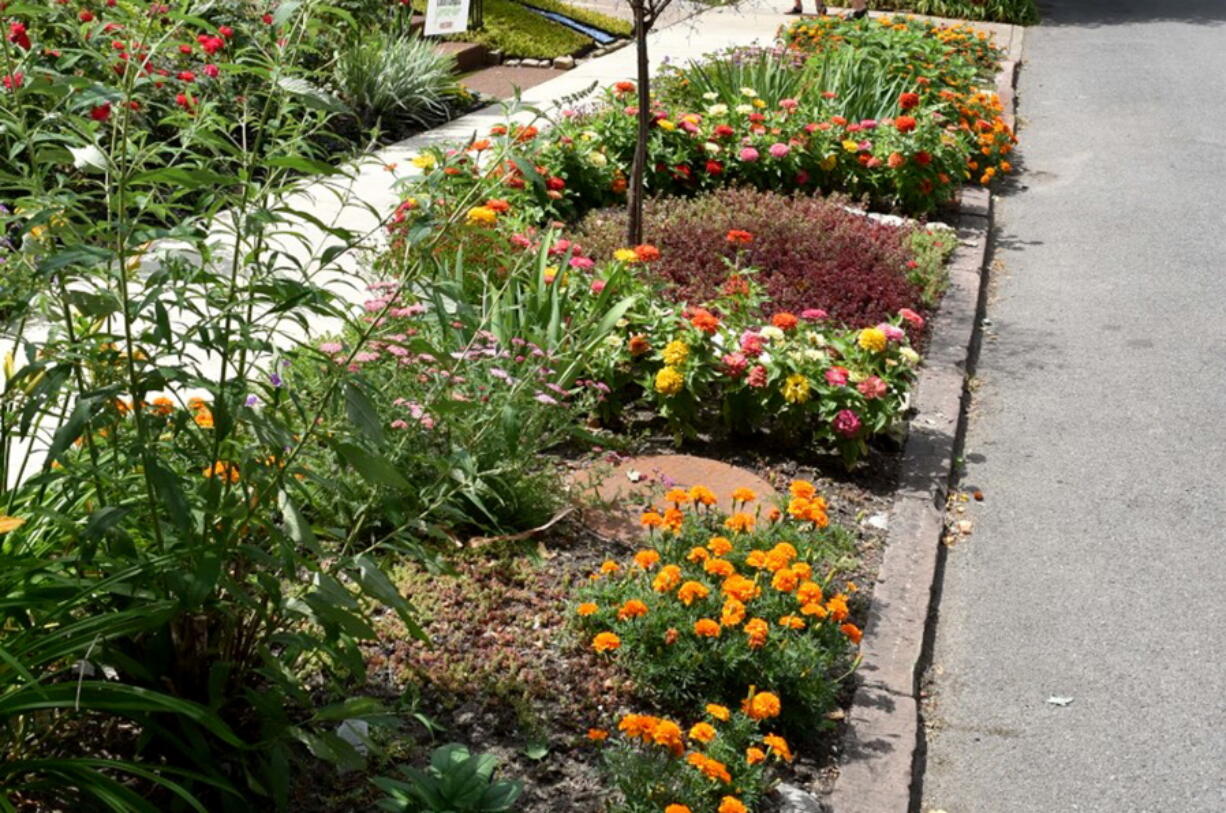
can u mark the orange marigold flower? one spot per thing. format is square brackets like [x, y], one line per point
[740, 588]
[668, 578]
[719, 545]
[774, 514]
[739, 237]
[677, 809]
[739, 522]
[732, 613]
[631, 609]
[754, 755]
[756, 559]
[651, 519]
[731, 804]
[606, 642]
[639, 726]
[758, 630]
[784, 320]
[803, 569]
[743, 494]
[719, 567]
[587, 608]
[814, 608]
[697, 555]
[712, 768]
[668, 734]
[674, 518]
[609, 566]
[647, 558]
[809, 592]
[785, 580]
[647, 253]
[852, 632]
[719, 712]
[762, 705]
[706, 628]
[692, 591]
[678, 496]
[638, 345]
[703, 732]
[779, 746]
[802, 488]
[203, 417]
[671, 635]
[837, 607]
[597, 734]
[702, 495]
[792, 622]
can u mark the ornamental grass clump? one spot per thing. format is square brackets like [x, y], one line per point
[716, 603]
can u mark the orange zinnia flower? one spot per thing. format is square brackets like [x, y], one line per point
[784, 320]
[647, 253]
[739, 237]
[704, 320]
[638, 345]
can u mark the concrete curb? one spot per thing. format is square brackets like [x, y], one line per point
[884, 735]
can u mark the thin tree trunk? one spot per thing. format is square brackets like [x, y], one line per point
[638, 168]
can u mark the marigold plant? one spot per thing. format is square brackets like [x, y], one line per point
[720, 610]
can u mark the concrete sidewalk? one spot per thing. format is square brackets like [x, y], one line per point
[1095, 573]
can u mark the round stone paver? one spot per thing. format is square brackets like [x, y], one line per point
[640, 483]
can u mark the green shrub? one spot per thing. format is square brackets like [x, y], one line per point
[394, 82]
[1020, 12]
[455, 782]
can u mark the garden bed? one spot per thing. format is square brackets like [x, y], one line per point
[313, 496]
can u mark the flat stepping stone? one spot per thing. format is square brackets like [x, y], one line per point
[638, 483]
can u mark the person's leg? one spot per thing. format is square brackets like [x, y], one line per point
[859, 8]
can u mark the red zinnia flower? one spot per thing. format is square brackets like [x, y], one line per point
[714, 167]
[18, 36]
[647, 253]
[739, 236]
[905, 124]
[784, 320]
[908, 100]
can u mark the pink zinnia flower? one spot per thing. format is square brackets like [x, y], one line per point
[581, 263]
[749, 155]
[788, 104]
[914, 319]
[872, 387]
[813, 314]
[598, 285]
[752, 343]
[735, 364]
[892, 333]
[836, 376]
[846, 423]
[779, 149]
[757, 377]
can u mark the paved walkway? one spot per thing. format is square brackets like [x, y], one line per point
[1097, 568]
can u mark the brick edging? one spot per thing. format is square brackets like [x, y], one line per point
[883, 733]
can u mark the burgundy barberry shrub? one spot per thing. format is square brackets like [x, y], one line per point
[811, 252]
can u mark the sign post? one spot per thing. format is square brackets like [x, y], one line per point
[446, 17]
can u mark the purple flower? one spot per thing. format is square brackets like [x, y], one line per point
[275, 380]
[252, 400]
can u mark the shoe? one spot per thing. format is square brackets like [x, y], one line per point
[794, 11]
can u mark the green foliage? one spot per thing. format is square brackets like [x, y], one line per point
[518, 32]
[455, 782]
[605, 22]
[395, 81]
[1020, 12]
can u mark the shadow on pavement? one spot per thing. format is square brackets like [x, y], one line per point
[1091, 13]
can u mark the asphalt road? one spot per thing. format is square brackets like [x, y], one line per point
[1097, 566]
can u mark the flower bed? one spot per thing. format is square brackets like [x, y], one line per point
[1020, 12]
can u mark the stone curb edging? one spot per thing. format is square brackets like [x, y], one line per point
[883, 737]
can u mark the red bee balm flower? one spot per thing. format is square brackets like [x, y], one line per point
[101, 113]
[904, 124]
[18, 36]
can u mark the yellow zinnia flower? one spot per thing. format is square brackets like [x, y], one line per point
[796, 389]
[873, 339]
[669, 381]
[675, 353]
